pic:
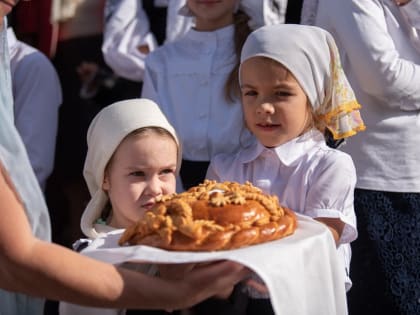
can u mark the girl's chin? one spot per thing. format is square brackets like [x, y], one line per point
[273, 144]
[272, 141]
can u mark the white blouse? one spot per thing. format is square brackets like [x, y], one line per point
[186, 78]
[306, 175]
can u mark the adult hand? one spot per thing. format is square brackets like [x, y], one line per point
[224, 294]
[208, 280]
[174, 271]
[180, 271]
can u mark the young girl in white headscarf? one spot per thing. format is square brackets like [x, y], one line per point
[295, 96]
[133, 158]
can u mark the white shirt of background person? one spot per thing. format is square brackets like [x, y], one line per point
[37, 97]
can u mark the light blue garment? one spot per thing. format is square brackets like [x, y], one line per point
[14, 159]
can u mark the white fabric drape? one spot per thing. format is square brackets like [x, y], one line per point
[14, 160]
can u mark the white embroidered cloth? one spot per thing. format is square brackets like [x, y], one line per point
[302, 271]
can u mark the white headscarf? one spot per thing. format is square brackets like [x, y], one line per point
[109, 127]
[311, 55]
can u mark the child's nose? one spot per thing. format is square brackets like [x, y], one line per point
[265, 108]
[154, 186]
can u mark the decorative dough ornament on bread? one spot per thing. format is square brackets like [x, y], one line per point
[212, 216]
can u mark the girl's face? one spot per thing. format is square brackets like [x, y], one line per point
[275, 106]
[142, 168]
[212, 14]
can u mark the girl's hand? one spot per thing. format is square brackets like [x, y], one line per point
[260, 287]
[335, 225]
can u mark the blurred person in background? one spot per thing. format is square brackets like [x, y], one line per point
[380, 50]
[35, 111]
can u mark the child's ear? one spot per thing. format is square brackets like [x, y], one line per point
[105, 183]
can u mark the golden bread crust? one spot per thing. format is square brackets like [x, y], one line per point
[212, 216]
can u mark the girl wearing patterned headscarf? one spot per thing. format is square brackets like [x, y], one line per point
[295, 96]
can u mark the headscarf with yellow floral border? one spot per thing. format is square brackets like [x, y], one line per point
[311, 55]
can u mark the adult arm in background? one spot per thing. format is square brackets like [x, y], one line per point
[39, 268]
[361, 29]
[36, 111]
[127, 38]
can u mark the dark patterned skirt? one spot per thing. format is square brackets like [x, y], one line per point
[385, 267]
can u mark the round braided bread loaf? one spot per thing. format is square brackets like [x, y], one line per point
[212, 216]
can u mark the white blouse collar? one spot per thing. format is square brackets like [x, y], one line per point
[103, 228]
[288, 152]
